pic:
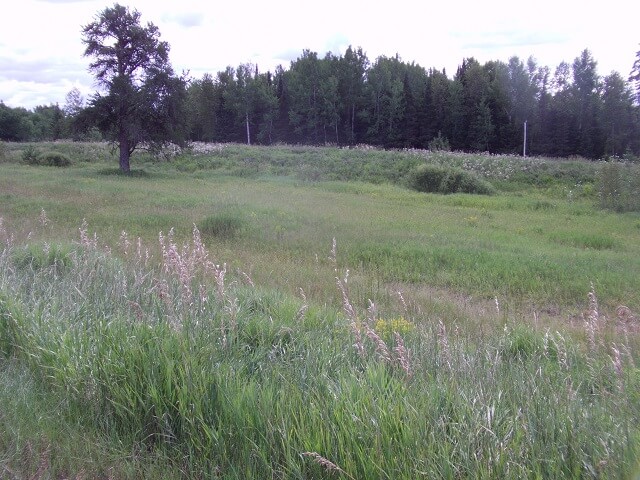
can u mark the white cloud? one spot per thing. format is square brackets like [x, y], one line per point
[41, 51]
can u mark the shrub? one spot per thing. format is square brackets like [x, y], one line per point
[54, 159]
[223, 225]
[30, 155]
[520, 343]
[4, 152]
[436, 179]
[439, 143]
[133, 173]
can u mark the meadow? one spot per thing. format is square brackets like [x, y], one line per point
[298, 312]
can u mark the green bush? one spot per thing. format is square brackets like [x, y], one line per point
[223, 225]
[521, 343]
[439, 144]
[4, 152]
[54, 159]
[437, 179]
[30, 155]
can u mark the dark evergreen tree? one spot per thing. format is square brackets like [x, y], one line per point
[229, 127]
[387, 102]
[305, 97]
[436, 102]
[586, 106]
[501, 138]
[352, 70]
[456, 126]
[635, 76]
[202, 102]
[617, 115]
[281, 131]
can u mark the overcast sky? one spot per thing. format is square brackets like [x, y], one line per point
[41, 51]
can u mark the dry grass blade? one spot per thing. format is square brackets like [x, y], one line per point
[325, 463]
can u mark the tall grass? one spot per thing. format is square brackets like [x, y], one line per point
[540, 246]
[619, 186]
[313, 164]
[170, 352]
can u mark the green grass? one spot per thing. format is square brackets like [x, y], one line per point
[243, 381]
[484, 246]
[164, 359]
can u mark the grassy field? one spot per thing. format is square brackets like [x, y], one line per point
[441, 336]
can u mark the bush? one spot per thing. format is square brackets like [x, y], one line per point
[30, 155]
[4, 152]
[223, 225]
[54, 159]
[439, 144]
[436, 179]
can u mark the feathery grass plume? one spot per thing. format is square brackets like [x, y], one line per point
[402, 354]
[124, 243]
[325, 463]
[85, 241]
[199, 252]
[591, 319]
[183, 272]
[44, 221]
[347, 307]
[497, 305]
[616, 360]
[142, 259]
[302, 311]
[405, 307]
[625, 314]
[163, 248]
[202, 294]
[561, 350]
[219, 274]
[232, 308]
[381, 347]
[137, 309]
[627, 351]
[443, 343]
[246, 278]
[199, 258]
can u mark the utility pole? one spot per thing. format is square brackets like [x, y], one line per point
[524, 147]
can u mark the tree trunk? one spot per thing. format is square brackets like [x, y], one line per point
[353, 121]
[124, 153]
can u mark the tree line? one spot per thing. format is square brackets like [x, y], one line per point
[346, 100]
